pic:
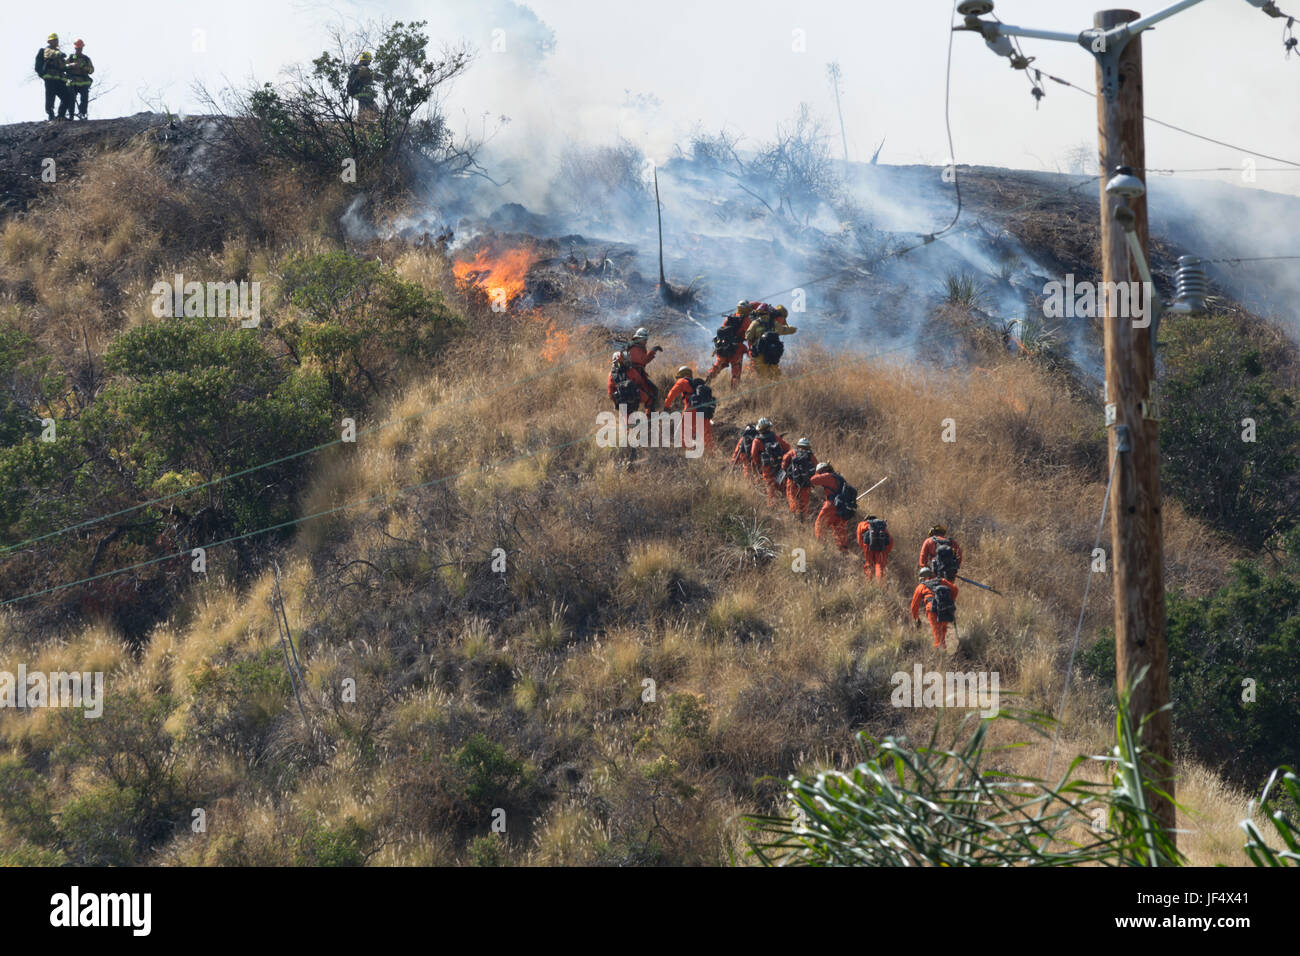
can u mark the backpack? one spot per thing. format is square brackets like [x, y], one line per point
[945, 561]
[845, 500]
[701, 399]
[940, 602]
[770, 347]
[52, 61]
[876, 537]
[746, 440]
[728, 336]
[626, 391]
[772, 451]
[801, 468]
[354, 80]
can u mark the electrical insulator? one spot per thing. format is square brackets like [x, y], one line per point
[1191, 285]
[1001, 46]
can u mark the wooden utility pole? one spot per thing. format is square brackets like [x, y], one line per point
[1130, 373]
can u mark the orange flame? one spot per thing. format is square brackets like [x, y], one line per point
[497, 275]
[501, 275]
[557, 342]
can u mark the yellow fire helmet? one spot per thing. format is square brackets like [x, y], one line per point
[938, 529]
[52, 38]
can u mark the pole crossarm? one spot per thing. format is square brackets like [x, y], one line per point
[1105, 45]
[1006, 29]
[1137, 26]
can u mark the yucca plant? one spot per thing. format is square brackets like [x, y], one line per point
[751, 543]
[1036, 337]
[1131, 817]
[937, 806]
[963, 289]
[1260, 853]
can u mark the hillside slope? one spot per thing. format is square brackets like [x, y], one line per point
[658, 650]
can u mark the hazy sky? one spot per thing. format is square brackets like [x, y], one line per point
[1218, 68]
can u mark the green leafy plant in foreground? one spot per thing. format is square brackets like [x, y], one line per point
[938, 806]
[1260, 853]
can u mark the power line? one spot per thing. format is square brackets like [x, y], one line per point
[1224, 169]
[947, 122]
[277, 527]
[926, 239]
[278, 461]
[1021, 62]
[415, 487]
[1078, 629]
[1179, 129]
[8, 549]
[1254, 259]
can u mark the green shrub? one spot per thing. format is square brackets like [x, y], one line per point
[940, 806]
[360, 320]
[487, 851]
[25, 802]
[311, 120]
[328, 846]
[1214, 379]
[100, 828]
[484, 775]
[29, 382]
[1249, 630]
[1283, 820]
[199, 396]
[27, 854]
[191, 400]
[236, 706]
[142, 796]
[688, 717]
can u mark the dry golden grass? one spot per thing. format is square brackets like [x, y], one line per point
[624, 569]
[769, 638]
[81, 263]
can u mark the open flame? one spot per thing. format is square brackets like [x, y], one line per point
[499, 275]
[557, 342]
